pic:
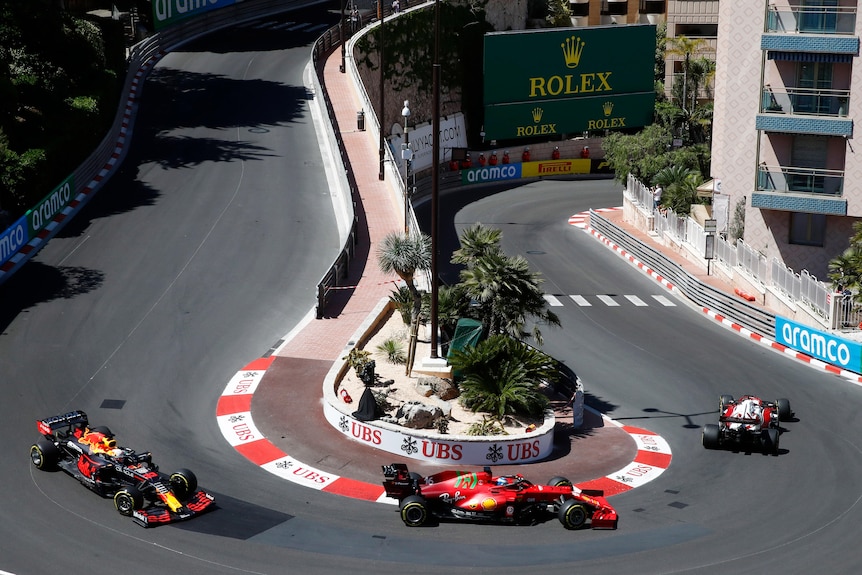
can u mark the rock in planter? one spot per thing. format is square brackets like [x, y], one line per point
[416, 415]
[444, 388]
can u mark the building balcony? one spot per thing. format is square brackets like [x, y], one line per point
[816, 125]
[799, 180]
[651, 7]
[811, 19]
[803, 101]
[614, 7]
[798, 189]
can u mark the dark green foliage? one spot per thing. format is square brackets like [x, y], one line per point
[502, 376]
[57, 97]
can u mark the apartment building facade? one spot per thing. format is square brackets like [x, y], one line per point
[783, 138]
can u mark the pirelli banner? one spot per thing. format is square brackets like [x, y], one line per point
[563, 81]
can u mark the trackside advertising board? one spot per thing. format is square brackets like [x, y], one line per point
[548, 82]
[819, 344]
[167, 12]
[538, 169]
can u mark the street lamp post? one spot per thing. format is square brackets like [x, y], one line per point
[435, 177]
[342, 68]
[381, 175]
[406, 156]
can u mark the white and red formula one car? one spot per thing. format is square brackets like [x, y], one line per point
[747, 422]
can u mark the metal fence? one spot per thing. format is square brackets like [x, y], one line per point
[743, 313]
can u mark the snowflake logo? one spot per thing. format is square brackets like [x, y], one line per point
[409, 446]
[236, 418]
[495, 453]
[286, 464]
[344, 424]
[624, 479]
[248, 374]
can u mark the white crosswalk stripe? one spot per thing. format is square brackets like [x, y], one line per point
[581, 300]
[608, 300]
[553, 301]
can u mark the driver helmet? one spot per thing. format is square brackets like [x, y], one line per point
[109, 443]
[502, 480]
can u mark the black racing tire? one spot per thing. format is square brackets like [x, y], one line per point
[711, 437]
[784, 411]
[184, 483]
[103, 429]
[128, 500]
[723, 402]
[770, 440]
[558, 481]
[44, 454]
[414, 511]
[573, 514]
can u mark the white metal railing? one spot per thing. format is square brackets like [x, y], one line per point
[802, 288]
[752, 261]
[725, 252]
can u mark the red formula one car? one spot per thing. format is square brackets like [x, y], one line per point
[481, 496]
[747, 422]
[139, 489]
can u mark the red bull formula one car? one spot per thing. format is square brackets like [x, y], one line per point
[480, 496]
[747, 422]
[138, 488]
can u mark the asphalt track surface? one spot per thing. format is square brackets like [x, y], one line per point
[200, 254]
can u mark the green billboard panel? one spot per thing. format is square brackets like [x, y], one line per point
[569, 62]
[167, 12]
[544, 73]
[557, 117]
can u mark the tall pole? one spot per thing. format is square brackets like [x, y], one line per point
[381, 174]
[435, 175]
[343, 68]
[406, 156]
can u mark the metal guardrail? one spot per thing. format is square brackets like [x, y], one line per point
[742, 313]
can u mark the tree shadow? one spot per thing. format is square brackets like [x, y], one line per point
[36, 283]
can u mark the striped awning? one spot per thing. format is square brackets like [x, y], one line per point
[809, 56]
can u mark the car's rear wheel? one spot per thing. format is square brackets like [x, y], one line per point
[414, 511]
[128, 500]
[559, 482]
[723, 402]
[184, 483]
[572, 514]
[44, 454]
[784, 412]
[770, 440]
[711, 436]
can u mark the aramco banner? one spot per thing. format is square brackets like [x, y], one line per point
[549, 82]
[167, 12]
[819, 344]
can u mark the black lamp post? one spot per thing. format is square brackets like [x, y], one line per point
[435, 176]
[406, 156]
[343, 67]
[381, 175]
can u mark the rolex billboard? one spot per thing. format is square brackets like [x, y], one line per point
[548, 82]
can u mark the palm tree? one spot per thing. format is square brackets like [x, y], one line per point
[476, 242]
[502, 376]
[680, 187]
[685, 47]
[507, 294]
[404, 254]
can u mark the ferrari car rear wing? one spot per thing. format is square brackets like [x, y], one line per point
[49, 425]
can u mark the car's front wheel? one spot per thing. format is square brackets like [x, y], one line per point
[784, 412]
[572, 514]
[44, 454]
[184, 483]
[128, 500]
[414, 511]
